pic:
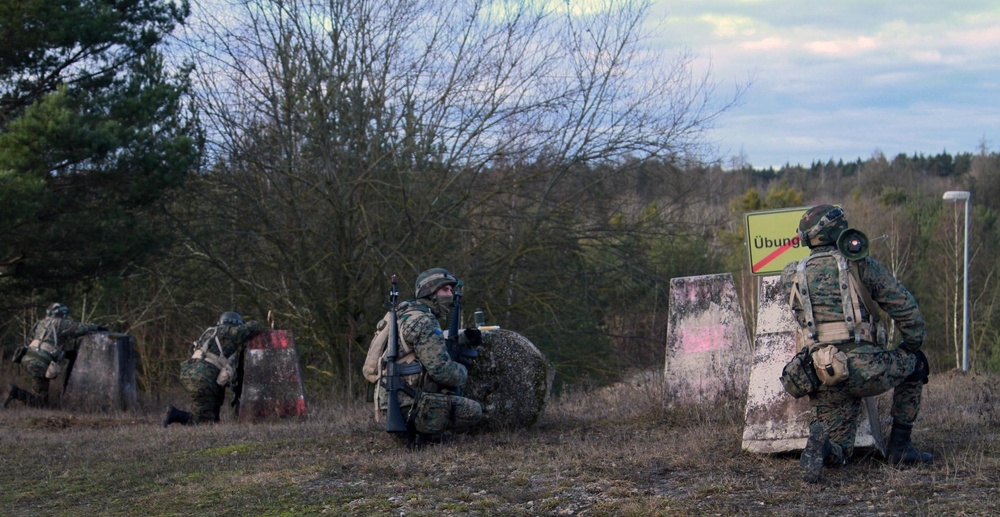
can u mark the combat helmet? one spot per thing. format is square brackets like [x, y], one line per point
[230, 318]
[57, 309]
[431, 280]
[822, 225]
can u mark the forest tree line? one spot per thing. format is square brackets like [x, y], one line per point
[161, 163]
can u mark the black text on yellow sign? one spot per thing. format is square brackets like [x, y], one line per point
[772, 241]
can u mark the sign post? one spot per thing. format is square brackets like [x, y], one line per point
[772, 241]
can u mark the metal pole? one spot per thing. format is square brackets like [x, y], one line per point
[965, 294]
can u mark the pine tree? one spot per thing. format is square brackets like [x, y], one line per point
[93, 135]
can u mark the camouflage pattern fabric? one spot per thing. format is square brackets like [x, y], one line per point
[57, 332]
[199, 376]
[421, 330]
[884, 289]
[872, 369]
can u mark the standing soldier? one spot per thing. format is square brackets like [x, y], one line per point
[431, 373]
[833, 293]
[45, 353]
[212, 367]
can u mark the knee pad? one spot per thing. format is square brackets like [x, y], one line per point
[921, 370]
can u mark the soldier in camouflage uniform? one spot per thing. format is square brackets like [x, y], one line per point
[437, 408]
[218, 350]
[872, 368]
[48, 348]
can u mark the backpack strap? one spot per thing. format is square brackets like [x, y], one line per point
[866, 297]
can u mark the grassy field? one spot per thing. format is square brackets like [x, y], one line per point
[611, 452]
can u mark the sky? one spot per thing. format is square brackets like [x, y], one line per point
[844, 79]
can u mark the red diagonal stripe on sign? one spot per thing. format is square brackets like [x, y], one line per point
[774, 254]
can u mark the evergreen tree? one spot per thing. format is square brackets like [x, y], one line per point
[93, 134]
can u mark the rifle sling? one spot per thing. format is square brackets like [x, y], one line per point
[408, 368]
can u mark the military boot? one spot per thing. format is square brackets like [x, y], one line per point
[11, 394]
[818, 448]
[174, 415]
[17, 393]
[901, 451]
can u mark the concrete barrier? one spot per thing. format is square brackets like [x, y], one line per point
[272, 379]
[775, 421]
[103, 374]
[511, 378]
[708, 352]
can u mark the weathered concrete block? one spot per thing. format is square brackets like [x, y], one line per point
[103, 374]
[511, 378]
[272, 379]
[708, 352]
[775, 421]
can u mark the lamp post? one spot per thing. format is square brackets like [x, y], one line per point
[955, 195]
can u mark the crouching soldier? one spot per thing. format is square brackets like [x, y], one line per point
[43, 357]
[211, 367]
[432, 405]
[836, 293]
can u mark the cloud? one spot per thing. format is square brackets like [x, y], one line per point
[844, 47]
[840, 79]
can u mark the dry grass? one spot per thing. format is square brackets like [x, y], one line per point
[610, 452]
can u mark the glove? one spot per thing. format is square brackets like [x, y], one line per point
[473, 337]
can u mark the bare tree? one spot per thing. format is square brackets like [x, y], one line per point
[353, 139]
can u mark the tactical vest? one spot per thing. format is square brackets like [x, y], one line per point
[857, 326]
[202, 350]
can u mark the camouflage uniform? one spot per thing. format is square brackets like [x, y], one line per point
[198, 376]
[431, 402]
[873, 369]
[437, 409]
[54, 332]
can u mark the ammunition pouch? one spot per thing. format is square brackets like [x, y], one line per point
[798, 377]
[53, 370]
[830, 364]
[226, 375]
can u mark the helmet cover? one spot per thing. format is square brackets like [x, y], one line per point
[431, 280]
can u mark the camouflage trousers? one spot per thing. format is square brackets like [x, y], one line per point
[36, 367]
[198, 378]
[438, 412]
[873, 370]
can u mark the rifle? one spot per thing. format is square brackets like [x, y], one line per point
[392, 381]
[456, 350]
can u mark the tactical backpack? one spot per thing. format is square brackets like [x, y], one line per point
[374, 367]
[374, 361]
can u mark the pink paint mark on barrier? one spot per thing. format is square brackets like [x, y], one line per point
[702, 339]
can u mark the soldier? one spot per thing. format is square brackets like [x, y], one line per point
[44, 355]
[437, 409]
[212, 367]
[833, 292]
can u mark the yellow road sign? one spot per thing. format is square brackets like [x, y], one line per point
[771, 239]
